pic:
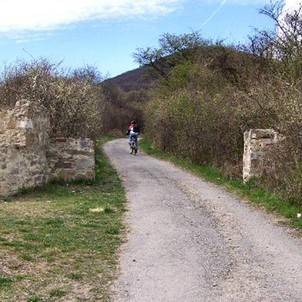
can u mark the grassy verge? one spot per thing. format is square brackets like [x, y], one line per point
[59, 243]
[250, 191]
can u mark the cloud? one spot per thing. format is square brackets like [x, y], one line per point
[292, 4]
[17, 16]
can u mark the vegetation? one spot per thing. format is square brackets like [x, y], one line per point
[73, 100]
[60, 243]
[211, 94]
[173, 50]
[121, 107]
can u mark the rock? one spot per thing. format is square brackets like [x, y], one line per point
[257, 145]
[97, 210]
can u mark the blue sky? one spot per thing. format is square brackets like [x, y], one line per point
[105, 33]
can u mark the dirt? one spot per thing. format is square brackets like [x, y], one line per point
[190, 240]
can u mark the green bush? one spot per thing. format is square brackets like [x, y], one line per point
[201, 113]
[211, 94]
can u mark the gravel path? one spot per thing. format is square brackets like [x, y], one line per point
[190, 240]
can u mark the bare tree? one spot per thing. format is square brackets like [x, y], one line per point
[284, 43]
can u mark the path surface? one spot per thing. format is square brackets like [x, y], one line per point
[192, 241]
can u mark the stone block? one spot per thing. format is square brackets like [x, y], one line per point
[71, 159]
[257, 146]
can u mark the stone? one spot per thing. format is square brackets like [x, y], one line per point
[71, 159]
[30, 158]
[257, 145]
[25, 124]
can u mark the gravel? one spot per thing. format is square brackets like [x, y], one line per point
[190, 240]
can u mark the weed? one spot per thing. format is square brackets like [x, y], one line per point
[57, 293]
[5, 282]
[34, 299]
[75, 276]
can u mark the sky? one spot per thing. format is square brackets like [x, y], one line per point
[105, 33]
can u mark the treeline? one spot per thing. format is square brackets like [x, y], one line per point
[122, 107]
[210, 94]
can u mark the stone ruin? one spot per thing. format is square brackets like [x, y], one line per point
[70, 158]
[258, 143]
[29, 157]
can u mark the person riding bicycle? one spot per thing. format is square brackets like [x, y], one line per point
[133, 132]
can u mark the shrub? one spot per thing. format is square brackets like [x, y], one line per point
[202, 108]
[74, 102]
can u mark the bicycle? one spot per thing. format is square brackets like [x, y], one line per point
[133, 144]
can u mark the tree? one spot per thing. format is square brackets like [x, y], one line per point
[173, 49]
[284, 43]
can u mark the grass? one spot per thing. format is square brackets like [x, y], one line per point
[255, 194]
[5, 282]
[59, 243]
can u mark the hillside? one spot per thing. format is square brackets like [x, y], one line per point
[137, 79]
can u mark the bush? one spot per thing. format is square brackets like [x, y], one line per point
[74, 102]
[202, 109]
[201, 113]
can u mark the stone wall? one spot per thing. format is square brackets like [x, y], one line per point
[30, 158]
[258, 143]
[23, 143]
[71, 159]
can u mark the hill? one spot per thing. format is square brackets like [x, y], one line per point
[137, 79]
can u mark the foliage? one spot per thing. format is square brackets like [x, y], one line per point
[73, 100]
[284, 43]
[172, 50]
[205, 104]
[121, 107]
[200, 113]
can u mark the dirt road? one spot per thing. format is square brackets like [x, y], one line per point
[193, 241]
